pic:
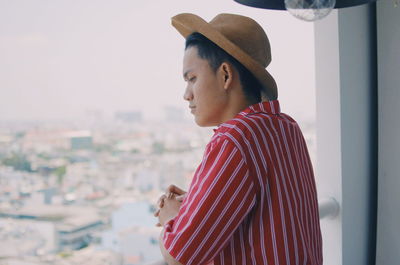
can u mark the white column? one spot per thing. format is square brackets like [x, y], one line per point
[329, 164]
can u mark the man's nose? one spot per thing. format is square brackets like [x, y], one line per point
[188, 95]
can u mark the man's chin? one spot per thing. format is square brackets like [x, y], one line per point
[203, 123]
[199, 121]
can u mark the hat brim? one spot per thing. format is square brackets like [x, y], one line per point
[188, 23]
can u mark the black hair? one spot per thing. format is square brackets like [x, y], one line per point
[215, 56]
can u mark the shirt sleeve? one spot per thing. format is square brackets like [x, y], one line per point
[220, 196]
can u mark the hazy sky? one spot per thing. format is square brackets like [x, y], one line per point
[60, 58]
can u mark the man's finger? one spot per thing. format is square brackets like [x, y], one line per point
[157, 213]
[180, 198]
[174, 189]
[160, 201]
[170, 195]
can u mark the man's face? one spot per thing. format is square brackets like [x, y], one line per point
[204, 91]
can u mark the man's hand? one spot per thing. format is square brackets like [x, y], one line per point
[177, 192]
[169, 210]
[174, 197]
[169, 205]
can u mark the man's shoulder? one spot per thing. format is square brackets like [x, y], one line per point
[256, 125]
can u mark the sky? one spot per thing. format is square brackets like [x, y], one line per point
[60, 59]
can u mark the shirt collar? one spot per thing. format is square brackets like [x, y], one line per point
[271, 107]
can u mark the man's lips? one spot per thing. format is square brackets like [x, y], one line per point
[192, 108]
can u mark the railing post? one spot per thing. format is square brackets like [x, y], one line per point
[328, 208]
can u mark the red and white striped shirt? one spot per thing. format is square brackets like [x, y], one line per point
[253, 198]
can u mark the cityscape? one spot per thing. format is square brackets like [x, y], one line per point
[84, 192]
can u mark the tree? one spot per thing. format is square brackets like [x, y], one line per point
[18, 162]
[60, 173]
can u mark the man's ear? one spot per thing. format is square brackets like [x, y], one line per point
[226, 74]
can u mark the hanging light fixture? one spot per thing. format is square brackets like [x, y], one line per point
[308, 10]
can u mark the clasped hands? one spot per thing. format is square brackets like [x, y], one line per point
[169, 204]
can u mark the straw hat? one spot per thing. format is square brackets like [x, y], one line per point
[240, 36]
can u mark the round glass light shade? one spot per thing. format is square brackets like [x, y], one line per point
[310, 10]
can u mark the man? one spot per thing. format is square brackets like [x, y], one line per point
[253, 198]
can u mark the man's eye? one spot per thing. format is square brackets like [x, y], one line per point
[192, 79]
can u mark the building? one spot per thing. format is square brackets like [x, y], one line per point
[79, 140]
[72, 227]
[133, 234]
[129, 116]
